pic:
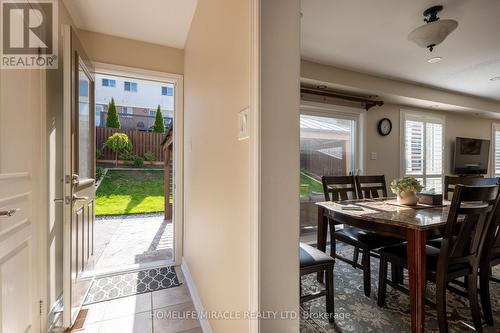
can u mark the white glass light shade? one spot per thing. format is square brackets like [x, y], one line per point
[433, 33]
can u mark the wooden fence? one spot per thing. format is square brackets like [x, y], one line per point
[142, 142]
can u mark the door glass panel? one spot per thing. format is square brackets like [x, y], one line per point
[326, 148]
[84, 139]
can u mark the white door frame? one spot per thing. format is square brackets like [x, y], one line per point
[343, 112]
[178, 81]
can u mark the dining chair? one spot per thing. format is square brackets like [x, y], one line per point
[470, 216]
[313, 260]
[371, 187]
[340, 188]
[491, 258]
[451, 181]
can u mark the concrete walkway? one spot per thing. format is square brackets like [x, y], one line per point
[124, 241]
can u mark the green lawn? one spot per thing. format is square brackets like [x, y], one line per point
[130, 192]
[308, 184]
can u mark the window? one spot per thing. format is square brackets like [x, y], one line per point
[328, 146]
[127, 112]
[167, 91]
[108, 83]
[99, 109]
[496, 149]
[422, 149]
[130, 86]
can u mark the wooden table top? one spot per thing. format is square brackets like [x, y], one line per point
[387, 211]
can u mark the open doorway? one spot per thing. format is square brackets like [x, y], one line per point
[135, 122]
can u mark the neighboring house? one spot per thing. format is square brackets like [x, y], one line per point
[136, 101]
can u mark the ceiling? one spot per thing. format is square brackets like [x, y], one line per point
[164, 22]
[371, 37]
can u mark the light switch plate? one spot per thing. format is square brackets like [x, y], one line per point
[373, 156]
[243, 124]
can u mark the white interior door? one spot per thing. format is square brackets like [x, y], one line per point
[21, 211]
[79, 171]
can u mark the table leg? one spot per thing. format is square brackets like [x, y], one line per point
[321, 236]
[416, 273]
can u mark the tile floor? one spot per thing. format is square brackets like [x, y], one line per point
[144, 313]
[127, 240]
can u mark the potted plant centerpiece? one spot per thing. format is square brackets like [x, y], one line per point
[406, 189]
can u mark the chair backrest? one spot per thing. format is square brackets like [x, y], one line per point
[370, 187]
[338, 188]
[491, 251]
[470, 216]
[451, 181]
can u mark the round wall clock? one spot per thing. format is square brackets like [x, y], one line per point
[384, 126]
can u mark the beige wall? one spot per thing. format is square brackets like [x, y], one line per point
[388, 147]
[216, 163]
[127, 52]
[279, 127]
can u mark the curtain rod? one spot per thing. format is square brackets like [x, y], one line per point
[325, 93]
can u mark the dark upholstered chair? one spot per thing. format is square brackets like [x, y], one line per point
[338, 188]
[451, 181]
[460, 252]
[371, 187]
[491, 258]
[313, 260]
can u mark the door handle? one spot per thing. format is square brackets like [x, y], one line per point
[76, 198]
[8, 213]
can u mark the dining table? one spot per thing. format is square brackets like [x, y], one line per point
[385, 216]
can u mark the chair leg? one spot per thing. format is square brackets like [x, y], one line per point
[365, 262]
[474, 302]
[484, 278]
[396, 273]
[441, 305]
[355, 256]
[330, 308]
[333, 242]
[382, 283]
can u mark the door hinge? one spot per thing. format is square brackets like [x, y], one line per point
[41, 307]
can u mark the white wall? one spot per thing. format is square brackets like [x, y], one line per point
[216, 164]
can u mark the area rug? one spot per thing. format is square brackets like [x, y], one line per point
[128, 284]
[354, 312]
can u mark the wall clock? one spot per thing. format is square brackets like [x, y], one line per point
[384, 126]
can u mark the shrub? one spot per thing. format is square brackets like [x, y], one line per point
[99, 172]
[112, 121]
[159, 126]
[149, 156]
[138, 161]
[119, 143]
[99, 154]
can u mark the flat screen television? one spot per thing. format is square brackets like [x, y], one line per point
[471, 156]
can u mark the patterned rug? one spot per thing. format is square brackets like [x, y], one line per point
[122, 285]
[354, 312]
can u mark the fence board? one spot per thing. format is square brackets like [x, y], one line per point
[142, 142]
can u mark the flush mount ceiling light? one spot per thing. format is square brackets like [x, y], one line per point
[434, 60]
[434, 31]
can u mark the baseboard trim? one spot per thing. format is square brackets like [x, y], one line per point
[198, 305]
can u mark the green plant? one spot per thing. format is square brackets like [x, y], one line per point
[149, 156]
[112, 120]
[119, 143]
[126, 155]
[99, 154]
[99, 172]
[159, 126]
[138, 161]
[406, 184]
